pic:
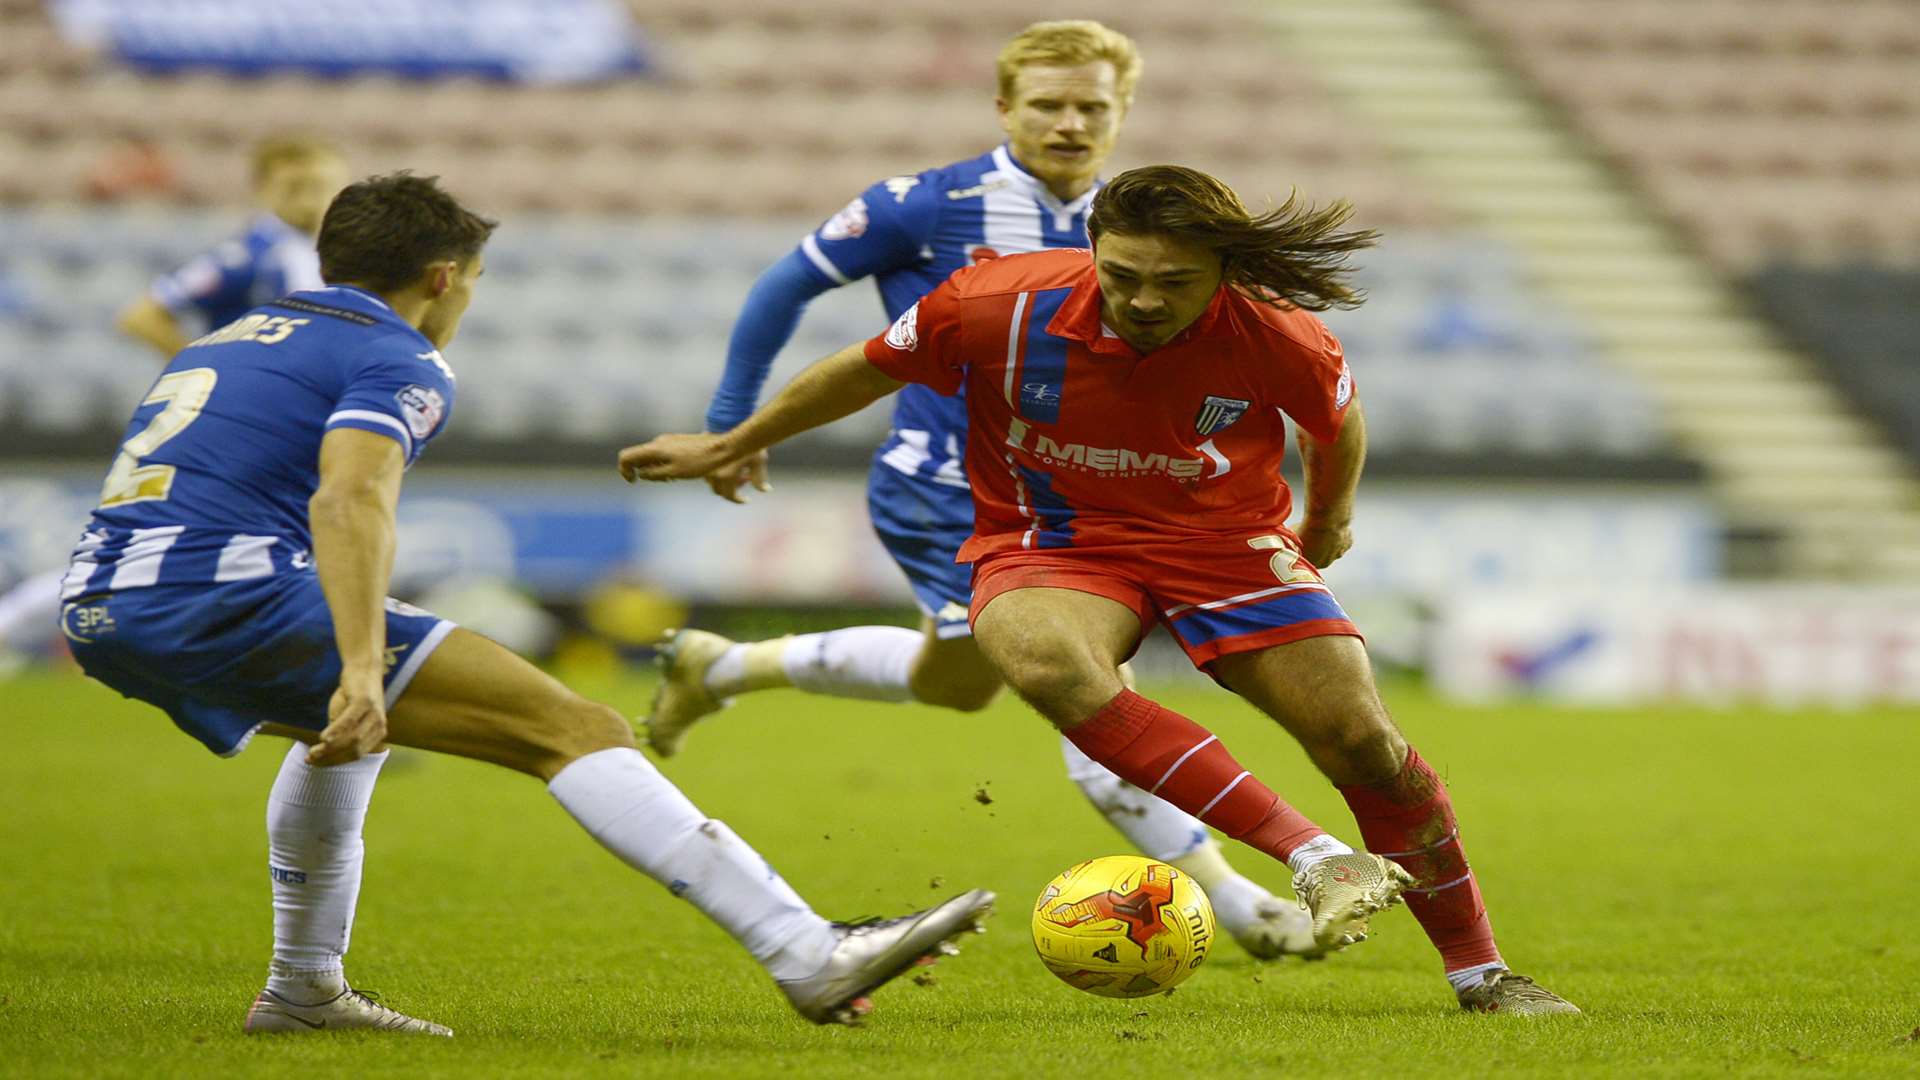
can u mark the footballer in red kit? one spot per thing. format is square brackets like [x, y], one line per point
[1161, 469]
[1126, 416]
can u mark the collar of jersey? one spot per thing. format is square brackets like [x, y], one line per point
[1004, 161]
[1079, 319]
[377, 306]
[368, 295]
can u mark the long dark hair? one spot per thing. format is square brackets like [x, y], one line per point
[1293, 255]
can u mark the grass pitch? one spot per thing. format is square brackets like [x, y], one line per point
[1724, 892]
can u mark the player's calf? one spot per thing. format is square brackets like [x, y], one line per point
[941, 690]
[1360, 749]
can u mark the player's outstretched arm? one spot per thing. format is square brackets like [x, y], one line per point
[147, 322]
[1332, 475]
[353, 534]
[838, 386]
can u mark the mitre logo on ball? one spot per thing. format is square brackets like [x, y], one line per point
[1122, 926]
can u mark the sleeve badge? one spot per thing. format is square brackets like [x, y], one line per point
[904, 334]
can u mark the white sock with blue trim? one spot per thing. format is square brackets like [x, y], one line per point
[314, 854]
[636, 813]
[874, 663]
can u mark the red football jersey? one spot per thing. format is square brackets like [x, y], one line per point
[1076, 440]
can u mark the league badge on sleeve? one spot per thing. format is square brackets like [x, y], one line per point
[423, 407]
[850, 222]
[1219, 414]
[904, 334]
[1343, 390]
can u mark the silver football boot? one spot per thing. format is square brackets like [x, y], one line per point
[872, 952]
[1514, 995]
[349, 1009]
[1344, 891]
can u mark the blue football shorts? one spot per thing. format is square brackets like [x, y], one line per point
[922, 525]
[222, 659]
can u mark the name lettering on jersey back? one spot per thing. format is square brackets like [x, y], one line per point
[262, 329]
[900, 185]
[1114, 462]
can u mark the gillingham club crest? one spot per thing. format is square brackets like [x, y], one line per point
[1219, 414]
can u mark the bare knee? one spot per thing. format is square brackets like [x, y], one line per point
[1359, 746]
[574, 729]
[1064, 685]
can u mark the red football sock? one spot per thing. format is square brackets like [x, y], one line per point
[1409, 819]
[1161, 752]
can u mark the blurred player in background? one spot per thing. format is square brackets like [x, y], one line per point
[294, 177]
[1064, 89]
[235, 575]
[1128, 413]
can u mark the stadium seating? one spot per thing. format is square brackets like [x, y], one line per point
[1770, 129]
[638, 212]
[792, 113]
[1454, 352]
[1862, 322]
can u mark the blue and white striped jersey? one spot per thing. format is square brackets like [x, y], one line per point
[910, 233]
[267, 261]
[219, 460]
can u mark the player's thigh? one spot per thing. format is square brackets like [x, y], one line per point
[1059, 647]
[1321, 690]
[474, 698]
[951, 671]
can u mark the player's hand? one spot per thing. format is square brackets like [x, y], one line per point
[356, 722]
[674, 457]
[1323, 540]
[752, 469]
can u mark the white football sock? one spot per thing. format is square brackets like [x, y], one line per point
[870, 662]
[636, 813]
[1159, 829]
[1239, 902]
[314, 852]
[1316, 851]
[29, 610]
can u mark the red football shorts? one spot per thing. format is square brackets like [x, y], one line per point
[1216, 595]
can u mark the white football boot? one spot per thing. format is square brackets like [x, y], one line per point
[870, 953]
[349, 1009]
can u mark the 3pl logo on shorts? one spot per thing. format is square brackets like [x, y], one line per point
[85, 622]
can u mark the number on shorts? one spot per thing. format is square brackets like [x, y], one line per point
[1288, 564]
[185, 394]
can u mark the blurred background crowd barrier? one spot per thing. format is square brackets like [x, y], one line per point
[1641, 358]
